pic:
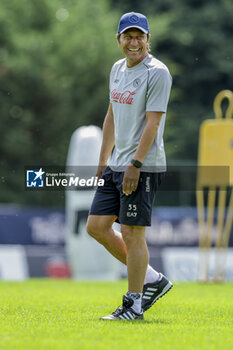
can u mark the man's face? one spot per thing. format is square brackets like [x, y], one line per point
[134, 45]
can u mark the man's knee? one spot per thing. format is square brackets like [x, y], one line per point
[98, 227]
[132, 234]
[93, 228]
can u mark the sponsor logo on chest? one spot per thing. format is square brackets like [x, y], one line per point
[125, 97]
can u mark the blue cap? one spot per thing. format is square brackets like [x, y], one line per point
[133, 20]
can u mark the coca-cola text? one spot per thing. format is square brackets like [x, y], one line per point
[122, 97]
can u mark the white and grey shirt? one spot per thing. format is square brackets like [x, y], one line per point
[133, 92]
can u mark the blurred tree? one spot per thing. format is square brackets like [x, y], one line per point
[200, 42]
[194, 38]
[55, 60]
[147, 7]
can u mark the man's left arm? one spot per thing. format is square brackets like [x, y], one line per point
[132, 174]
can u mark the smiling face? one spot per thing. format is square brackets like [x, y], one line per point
[134, 44]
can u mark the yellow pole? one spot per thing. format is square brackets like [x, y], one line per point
[228, 224]
[201, 273]
[226, 233]
[218, 274]
[210, 220]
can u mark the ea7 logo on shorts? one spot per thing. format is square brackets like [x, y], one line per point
[35, 178]
[132, 211]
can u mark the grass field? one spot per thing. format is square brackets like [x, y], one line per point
[55, 314]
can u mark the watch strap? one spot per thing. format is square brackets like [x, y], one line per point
[136, 163]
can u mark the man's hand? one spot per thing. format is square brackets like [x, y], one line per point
[100, 170]
[130, 180]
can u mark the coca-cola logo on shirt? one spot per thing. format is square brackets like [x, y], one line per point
[125, 97]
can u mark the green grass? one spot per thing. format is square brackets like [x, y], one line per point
[55, 314]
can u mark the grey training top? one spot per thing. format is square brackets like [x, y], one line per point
[133, 92]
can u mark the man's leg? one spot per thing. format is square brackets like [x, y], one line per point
[137, 256]
[100, 228]
[133, 253]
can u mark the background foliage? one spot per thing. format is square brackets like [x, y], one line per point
[55, 58]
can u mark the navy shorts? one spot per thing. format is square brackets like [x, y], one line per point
[134, 209]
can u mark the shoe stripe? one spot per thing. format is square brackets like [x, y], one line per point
[130, 315]
[125, 315]
[152, 289]
[168, 286]
[149, 293]
[165, 289]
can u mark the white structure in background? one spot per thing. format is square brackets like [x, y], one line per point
[13, 263]
[88, 259]
[181, 263]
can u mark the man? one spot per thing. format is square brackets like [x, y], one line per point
[133, 139]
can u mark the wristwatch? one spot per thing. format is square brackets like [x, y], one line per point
[136, 163]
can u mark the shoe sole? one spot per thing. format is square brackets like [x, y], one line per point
[119, 319]
[166, 289]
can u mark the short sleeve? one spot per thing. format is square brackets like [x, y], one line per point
[110, 80]
[159, 87]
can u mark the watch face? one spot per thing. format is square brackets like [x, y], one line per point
[136, 163]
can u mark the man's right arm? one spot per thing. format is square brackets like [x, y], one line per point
[108, 141]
